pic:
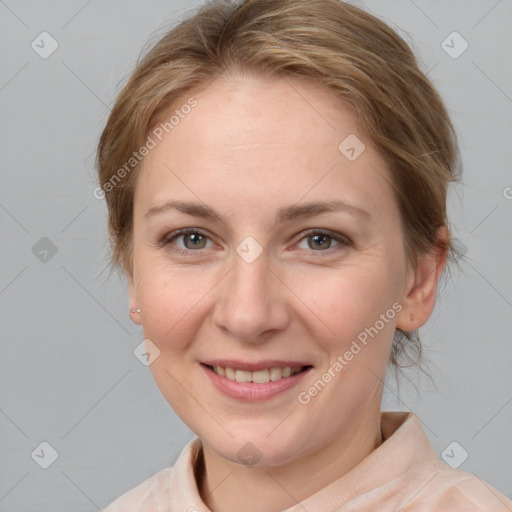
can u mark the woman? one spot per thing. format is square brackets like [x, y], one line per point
[276, 175]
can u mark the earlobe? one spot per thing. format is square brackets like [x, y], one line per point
[420, 293]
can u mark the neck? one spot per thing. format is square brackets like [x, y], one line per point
[225, 486]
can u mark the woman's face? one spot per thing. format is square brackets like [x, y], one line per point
[265, 281]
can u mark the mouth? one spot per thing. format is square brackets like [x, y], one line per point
[262, 376]
[257, 385]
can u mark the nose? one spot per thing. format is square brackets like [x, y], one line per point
[251, 303]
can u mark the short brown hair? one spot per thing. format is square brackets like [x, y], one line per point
[351, 52]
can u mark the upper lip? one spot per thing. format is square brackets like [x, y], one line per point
[254, 366]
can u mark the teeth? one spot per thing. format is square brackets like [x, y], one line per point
[275, 373]
[243, 376]
[258, 377]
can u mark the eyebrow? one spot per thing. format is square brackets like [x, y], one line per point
[285, 213]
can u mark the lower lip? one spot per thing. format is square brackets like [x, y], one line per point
[251, 391]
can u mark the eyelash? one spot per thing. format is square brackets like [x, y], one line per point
[341, 239]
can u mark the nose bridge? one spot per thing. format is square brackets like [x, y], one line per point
[251, 301]
[252, 276]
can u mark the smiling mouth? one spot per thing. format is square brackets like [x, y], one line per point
[257, 377]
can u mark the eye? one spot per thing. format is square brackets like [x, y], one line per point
[321, 240]
[193, 239]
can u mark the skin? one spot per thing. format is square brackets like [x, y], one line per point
[251, 146]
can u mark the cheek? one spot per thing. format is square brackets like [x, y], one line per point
[170, 299]
[343, 302]
[354, 328]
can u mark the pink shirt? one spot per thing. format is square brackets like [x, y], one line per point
[402, 474]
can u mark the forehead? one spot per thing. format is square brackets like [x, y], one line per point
[270, 141]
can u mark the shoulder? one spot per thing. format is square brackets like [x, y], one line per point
[423, 482]
[453, 490]
[151, 494]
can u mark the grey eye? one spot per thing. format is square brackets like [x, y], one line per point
[320, 241]
[197, 241]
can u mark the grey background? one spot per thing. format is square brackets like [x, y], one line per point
[68, 375]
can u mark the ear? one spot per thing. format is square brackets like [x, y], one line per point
[421, 286]
[135, 317]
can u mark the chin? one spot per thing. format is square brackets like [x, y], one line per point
[258, 452]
